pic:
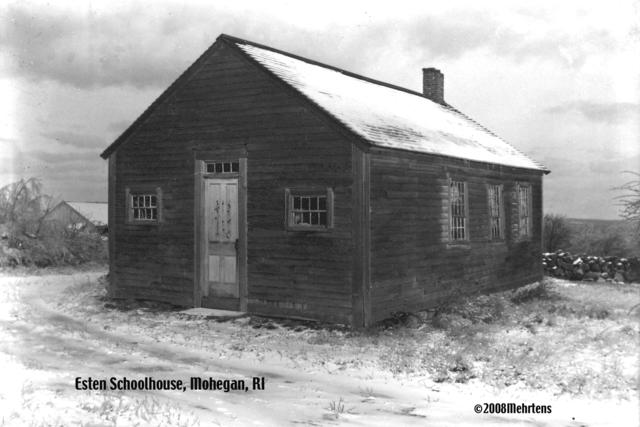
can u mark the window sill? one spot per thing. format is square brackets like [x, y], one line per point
[133, 222]
[295, 229]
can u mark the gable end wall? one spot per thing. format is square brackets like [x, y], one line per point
[228, 105]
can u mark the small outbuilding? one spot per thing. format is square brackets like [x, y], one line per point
[266, 182]
[79, 216]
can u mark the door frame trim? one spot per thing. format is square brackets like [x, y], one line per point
[199, 239]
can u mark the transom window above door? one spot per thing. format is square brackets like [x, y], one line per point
[222, 167]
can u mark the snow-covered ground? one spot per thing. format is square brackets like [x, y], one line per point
[56, 328]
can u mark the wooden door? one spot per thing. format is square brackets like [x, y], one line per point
[221, 230]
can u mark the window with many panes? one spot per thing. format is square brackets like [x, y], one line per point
[144, 205]
[309, 209]
[458, 229]
[222, 167]
[524, 210]
[495, 211]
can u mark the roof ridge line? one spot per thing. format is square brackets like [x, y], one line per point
[79, 201]
[233, 43]
[241, 43]
[323, 65]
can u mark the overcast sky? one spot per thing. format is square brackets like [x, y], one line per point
[559, 82]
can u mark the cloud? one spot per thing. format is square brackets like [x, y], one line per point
[72, 174]
[88, 51]
[454, 34]
[614, 166]
[581, 187]
[54, 159]
[66, 174]
[422, 37]
[144, 47]
[76, 139]
[118, 126]
[603, 112]
[61, 162]
[457, 32]
[568, 49]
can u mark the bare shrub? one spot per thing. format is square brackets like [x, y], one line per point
[64, 248]
[603, 238]
[556, 232]
[24, 239]
[630, 199]
[482, 308]
[23, 206]
[534, 291]
[336, 408]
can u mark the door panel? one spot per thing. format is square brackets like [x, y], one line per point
[221, 223]
[214, 270]
[229, 269]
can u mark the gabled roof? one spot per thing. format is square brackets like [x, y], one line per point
[96, 212]
[379, 113]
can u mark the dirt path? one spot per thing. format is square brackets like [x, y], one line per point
[43, 350]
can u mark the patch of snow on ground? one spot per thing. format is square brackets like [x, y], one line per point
[61, 329]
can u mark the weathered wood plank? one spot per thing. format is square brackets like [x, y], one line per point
[227, 106]
[412, 262]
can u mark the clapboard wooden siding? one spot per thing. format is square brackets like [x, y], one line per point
[227, 104]
[388, 248]
[414, 265]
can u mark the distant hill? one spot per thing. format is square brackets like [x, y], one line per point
[604, 237]
[595, 222]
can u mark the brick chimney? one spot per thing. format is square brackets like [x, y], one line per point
[433, 84]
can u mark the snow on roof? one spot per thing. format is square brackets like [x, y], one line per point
[96, 212]
[390, 117]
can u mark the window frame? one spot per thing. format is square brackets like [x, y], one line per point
[524, 232]
[131, 192]
[222, 173]
[290, 193]
[500, 211]
[465, 200]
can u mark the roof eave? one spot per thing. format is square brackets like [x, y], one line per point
[353, 136]
[540, 169]
[234, 41]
